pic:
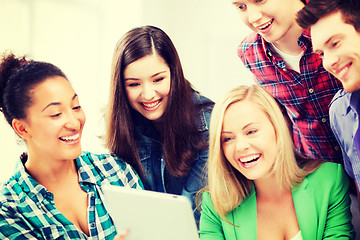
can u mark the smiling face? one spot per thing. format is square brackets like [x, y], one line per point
[248, 140]
[147, 84]
[54, 121]
[274, 20]
[339, 46]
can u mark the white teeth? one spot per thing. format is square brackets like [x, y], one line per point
[266, 25]
[249, 158]
[70, 138]
[343, 71]
[151, 105]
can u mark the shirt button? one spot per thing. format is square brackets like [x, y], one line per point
[323, 120]
[311, 90]
[268, 53]
[284, 69]
[337, 148]
[92, 225]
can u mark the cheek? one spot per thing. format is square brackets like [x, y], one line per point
[245, 19]
[132, 94]
[228, 151]
[165, 88]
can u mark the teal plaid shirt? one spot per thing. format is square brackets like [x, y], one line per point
[27, 209]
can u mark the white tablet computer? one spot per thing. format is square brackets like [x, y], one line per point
[150, 215]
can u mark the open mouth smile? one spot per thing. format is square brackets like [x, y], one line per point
[249, 161]
[341, 73]
[265, 25]
[69, 139]
[150, 105]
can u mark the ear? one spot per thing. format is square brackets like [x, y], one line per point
[20, 127]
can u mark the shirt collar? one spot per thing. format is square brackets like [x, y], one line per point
[32, 188]
[203, 126]
[350, 100]
[304, 41]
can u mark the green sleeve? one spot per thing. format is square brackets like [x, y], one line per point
[338, 222]
[210, 221]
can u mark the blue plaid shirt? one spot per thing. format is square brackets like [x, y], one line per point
[28, 211]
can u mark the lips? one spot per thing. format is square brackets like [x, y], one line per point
[150, 105]
[250, 160]
[70, 139]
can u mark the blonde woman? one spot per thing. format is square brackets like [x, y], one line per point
[259, 187]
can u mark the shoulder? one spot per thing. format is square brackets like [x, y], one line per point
[18, 185]
[20, 194]
[341, 114]
[206, 199]
[10, 191]
[207, 206]
[205, 107]
[340, 99]
[201, 100]
[320, 177]
[249, 44]
[105, 159]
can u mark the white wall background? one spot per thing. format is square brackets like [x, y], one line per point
[79, 36]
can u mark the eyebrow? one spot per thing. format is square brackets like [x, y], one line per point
[58, 103]
[154, 75]
[242, 128]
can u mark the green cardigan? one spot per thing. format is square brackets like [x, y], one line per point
[322, 205]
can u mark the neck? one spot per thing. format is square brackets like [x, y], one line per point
[289, 42]
[159, 125]
[51, 172]
[269, 189]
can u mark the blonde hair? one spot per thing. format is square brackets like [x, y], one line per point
[227, 186]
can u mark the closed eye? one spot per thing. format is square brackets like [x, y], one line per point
[133, 84]
[226, 139]
[250, 132]
[55, 115]
[159, 79]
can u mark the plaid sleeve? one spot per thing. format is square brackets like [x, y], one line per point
[130, 177]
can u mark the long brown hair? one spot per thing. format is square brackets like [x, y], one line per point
[180, 117]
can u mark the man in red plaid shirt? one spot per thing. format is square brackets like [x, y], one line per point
[279, 54]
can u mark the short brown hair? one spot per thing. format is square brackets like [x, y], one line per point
[316, 9]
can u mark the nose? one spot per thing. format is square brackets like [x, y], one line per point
[330, 61]
[72, 121]
[148, 92]
[254, 14]
[241, 145]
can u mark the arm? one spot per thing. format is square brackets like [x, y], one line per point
[130, 177]
[210, 221]
[197, 177]
[338, 221]
[358, 195]
[195, 181]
